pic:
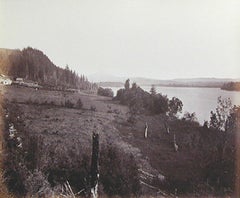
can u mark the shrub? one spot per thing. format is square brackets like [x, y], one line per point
[119, 173]
[29, 101]
[93, 108]
[175, 106]
[69, 104]
[105, 92]
[79, 104]
[159, 104]
[35, 182]
[190, 117]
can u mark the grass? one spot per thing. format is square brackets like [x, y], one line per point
[68, 131]
[3, 190]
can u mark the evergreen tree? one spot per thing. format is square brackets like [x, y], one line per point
[153, 90]
[127, 84]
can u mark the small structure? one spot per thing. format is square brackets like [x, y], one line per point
[4, 80]
[19, 81]
[26, 83]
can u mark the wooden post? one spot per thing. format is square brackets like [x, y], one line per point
[94, 174]
[146, 130]
[175, 143]
[167, 128]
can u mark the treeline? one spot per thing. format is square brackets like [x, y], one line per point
[33, 64]
[231, 86]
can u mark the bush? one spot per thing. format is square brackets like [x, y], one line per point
[69, 104]
[93, 108]
[175, 106]
[159, 104]
[190, 117]
[35, 182]
[79, 104]
[119, 173]
[105, 92]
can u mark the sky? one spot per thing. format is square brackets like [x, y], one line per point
[161, 39]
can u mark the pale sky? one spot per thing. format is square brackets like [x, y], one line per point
[161, 39]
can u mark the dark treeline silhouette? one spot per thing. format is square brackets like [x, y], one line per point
[33, 64]
[140, 101]
[231, 86]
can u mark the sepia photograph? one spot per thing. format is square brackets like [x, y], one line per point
[119, 98]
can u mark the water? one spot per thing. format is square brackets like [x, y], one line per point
[199, 100]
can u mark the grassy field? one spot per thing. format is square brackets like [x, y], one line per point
[67, 132]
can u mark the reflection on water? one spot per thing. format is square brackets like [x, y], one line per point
[198, 100]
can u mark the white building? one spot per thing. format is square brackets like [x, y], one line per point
[4, 80]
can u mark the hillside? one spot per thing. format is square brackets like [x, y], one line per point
[32, 64]
[64, 132]
[108, 80]
[231, 86]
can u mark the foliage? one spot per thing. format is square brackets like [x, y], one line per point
[231, 86]
[190, 117]
[79, 104]
[153, 90]
[159, 104]
[219, 118]
[127, 84]
[219, 160]
[119, 173]
[69, 104]
[233, 121]
[140, 101]
[175, 106]
[105, 92]
[32, 64]
[38, 168]
[93, 108]
[134, 86]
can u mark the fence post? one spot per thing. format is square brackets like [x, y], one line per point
[94, 174]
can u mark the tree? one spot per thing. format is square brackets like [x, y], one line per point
[153, 90]
[159, 104]
[79, 104]
[221, 160]
[219, 118]
[105, 92]
[233, 121]
[135, 108]
[127, 84]
[191, 117]
[134, 86]
[175, 106]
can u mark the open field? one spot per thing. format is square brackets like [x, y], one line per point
[66, 133]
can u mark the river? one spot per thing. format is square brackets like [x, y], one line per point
[198, 100]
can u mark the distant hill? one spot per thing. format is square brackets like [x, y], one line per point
[114, 81]
[110, 84]
[32, 64]
[231, 86]
[105, 77]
